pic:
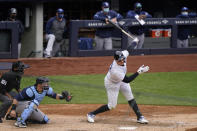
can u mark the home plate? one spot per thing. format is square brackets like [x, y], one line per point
[127, 128]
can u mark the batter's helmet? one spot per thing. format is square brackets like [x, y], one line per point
[105, 4]
[118, 55]
[18, 66]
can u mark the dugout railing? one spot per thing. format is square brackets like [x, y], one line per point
[173, 23]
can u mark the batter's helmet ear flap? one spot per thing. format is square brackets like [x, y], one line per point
[118, 55]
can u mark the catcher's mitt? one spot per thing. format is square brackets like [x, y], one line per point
[66, 95]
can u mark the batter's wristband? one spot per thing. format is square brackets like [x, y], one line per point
[13, 107]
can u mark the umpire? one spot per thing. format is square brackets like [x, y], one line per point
[8, 81]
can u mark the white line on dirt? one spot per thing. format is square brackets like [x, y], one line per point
[127, 128]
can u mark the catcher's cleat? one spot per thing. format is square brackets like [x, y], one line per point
[142, 120]
[90, 117]
[20, 124]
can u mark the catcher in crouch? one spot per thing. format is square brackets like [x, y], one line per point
[27, 101]
[116, 80]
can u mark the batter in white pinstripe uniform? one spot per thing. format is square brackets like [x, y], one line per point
[116, 80]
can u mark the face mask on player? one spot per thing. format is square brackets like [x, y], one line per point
[184, 13]
[106, 10]
[60, 16]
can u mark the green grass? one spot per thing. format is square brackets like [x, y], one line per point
[171, 88]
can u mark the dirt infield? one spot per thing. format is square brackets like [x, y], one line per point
[72, 117]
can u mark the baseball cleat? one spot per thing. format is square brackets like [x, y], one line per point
[19, 124]
[90, 117]
[142, 120]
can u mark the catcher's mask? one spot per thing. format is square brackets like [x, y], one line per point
[18, 67]
[118, 55]
[44, 81]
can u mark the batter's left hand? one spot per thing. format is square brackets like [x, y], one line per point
[143, 69]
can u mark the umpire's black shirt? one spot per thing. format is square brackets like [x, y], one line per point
[8, 81]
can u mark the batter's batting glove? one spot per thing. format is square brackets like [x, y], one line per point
[143, 69]
[66, 95]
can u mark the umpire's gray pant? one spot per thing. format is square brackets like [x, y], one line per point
[140, 43]
[37, 114]
[6, 103]
[103, 43]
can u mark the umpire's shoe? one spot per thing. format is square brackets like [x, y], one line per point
[142, 120]
[20, 124]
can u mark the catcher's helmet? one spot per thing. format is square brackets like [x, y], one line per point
[18, 66]
[41, 80]
[118, 55]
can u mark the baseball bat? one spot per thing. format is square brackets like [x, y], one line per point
[117, 26]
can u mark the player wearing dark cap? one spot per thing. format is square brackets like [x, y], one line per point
[9, 81]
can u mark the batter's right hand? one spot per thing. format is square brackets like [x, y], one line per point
[13, 113]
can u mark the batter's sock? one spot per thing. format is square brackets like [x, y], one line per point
[101, 109]
[133, 104]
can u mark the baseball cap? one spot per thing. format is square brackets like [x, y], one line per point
[105, 4]
[137, 5]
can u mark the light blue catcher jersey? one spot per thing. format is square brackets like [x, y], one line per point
[31, 93]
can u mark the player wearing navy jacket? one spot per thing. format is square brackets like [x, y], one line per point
[183, 30]
[103, 35]
[55, 29]
[137, 31]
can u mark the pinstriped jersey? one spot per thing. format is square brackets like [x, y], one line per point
[116, 72]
